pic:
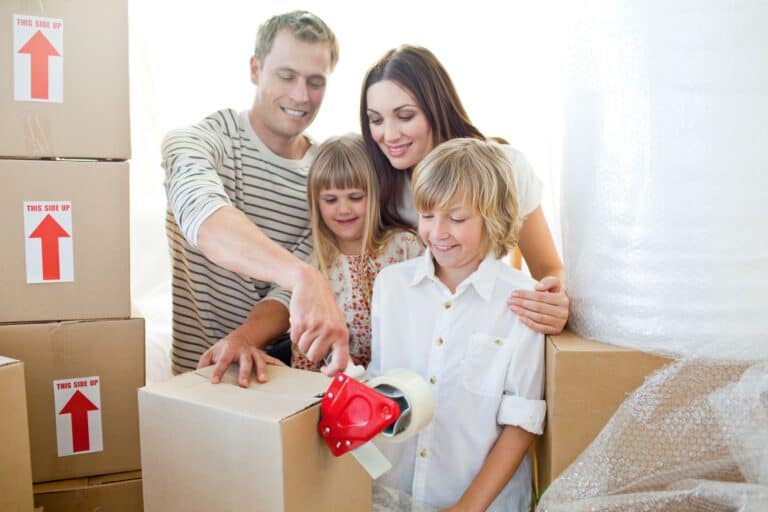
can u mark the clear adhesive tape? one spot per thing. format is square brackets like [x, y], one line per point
[413, 395]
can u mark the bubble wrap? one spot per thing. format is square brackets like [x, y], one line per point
[693, 437]
[665, 176]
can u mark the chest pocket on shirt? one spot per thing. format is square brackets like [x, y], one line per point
[484, 366]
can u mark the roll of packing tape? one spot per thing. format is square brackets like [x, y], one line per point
[413, 395]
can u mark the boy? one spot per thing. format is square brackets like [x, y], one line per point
[444, 315]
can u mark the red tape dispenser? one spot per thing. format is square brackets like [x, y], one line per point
[352, 414]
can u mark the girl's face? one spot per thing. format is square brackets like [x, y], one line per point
[397, 124]
[343, 211]
[454, 237]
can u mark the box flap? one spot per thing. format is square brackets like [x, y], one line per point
[286, 392]
[7, 360]
[567, 341]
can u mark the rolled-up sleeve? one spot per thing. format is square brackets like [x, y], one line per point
[522, 404]
[194, 189]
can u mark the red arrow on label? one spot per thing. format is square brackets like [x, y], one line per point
[49, 231]
[78, 406]
[39, 49]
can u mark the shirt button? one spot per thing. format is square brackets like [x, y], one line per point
[433, 380]
[423, 453]
[447, 305]
[440, 341]
[497, 341]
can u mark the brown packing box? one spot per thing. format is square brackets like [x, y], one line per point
[586, 382]
[15, 469]
[221, 447]
[111, 351]
[120, 492]
[89, 76]
[97, 193]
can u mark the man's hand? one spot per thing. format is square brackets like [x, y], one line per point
[317, 324]
[235, 348]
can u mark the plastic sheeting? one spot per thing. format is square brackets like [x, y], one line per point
[665, 176]
[693, 437]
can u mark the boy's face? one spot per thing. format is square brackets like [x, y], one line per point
[291, 84]
[454, 237]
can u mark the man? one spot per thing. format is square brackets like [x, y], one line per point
[238, 225]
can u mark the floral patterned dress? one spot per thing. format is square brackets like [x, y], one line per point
[351, 280]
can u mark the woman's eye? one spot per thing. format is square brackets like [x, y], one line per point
[405, 118]
[426, 215]
[357, 198]
[329, 200]
[374, 122]
[457, 220]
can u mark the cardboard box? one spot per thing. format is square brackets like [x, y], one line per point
[119, 492]
[586, 382]
[81, 380]
[65, 87]
[74, 263]
[15, 468]
[221, 447]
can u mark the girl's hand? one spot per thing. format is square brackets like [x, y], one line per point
[545, 309]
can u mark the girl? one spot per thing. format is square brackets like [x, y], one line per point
[350, 243]
[408, 106]
[444, 317]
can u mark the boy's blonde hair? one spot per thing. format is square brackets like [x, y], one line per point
[340, 163]
[479, 173]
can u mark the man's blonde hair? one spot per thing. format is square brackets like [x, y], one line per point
[476, 172]
[303, 25]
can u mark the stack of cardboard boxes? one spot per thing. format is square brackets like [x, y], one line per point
[65, 302]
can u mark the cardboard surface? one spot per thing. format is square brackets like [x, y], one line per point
[15, 468]
[120, 492]
[88, 57]
[100, 240]
[222, 447]
[113, 350]
[586, 382]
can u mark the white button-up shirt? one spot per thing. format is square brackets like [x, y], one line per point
[485, 367]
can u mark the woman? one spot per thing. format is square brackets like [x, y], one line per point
[409, 106]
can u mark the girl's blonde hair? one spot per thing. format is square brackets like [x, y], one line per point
[479, 173]
[342, 162]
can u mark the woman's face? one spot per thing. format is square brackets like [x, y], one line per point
[397, 124]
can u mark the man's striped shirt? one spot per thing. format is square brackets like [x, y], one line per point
[218, 162]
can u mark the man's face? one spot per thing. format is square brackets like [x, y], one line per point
[291, 85]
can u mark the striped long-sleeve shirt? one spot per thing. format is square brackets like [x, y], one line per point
[218, 162]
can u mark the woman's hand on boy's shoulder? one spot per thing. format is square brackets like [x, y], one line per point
[544, 309]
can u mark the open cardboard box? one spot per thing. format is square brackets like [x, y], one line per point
[222, 447]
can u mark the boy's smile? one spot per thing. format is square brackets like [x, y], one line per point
[454, 237]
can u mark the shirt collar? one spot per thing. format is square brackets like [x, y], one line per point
[482, 279]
